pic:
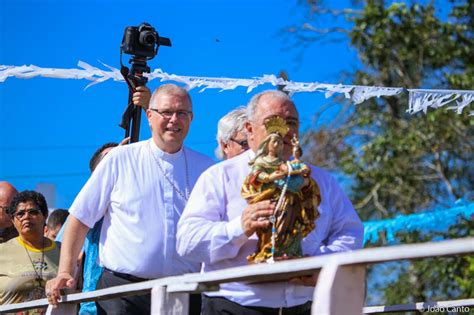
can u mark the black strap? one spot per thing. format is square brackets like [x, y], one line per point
[125, 276]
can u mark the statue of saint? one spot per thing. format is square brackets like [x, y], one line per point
[290, 186]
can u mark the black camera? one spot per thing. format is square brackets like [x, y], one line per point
[142, 41]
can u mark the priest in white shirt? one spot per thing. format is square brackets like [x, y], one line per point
[218, 226]
[140, 190]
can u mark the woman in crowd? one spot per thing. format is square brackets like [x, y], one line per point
[29, 260]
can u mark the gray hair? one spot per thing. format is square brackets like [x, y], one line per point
[169, 89]
[228, 126]
[252, 105]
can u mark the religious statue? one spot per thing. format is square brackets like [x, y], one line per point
[290, 186]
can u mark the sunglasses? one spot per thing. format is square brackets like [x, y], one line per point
[32, 212]
[243, 143]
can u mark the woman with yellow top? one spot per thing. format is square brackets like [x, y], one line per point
[28, 261]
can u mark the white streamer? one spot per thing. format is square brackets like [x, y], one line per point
[419, 100]
[362, 93]
[96, 75]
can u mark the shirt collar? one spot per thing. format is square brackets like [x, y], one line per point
[250, 154]
[171, 157]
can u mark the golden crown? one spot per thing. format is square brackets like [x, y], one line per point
[276, 124]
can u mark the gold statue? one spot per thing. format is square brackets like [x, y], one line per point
[290, 186]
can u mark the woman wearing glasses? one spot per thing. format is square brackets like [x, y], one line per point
[29, 260]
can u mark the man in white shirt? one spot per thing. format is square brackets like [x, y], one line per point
[231, 136]
[140, 189]
[218, 226]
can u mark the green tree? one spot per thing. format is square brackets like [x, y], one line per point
[401, 163]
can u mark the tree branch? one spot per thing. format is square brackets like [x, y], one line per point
[366, 200]
[335, 12]
[439, 169]
[323, 31]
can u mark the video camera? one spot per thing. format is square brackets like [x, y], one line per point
[142, 42]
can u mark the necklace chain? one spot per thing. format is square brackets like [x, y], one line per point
[39, 276]
[271, 260]
[184, 195]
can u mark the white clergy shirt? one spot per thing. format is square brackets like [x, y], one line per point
[210, 231]
[141, 207]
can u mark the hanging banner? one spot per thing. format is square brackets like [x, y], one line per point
[419, 99]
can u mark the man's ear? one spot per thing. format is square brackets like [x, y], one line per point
[248, 129]
[223, 146]
[148, 113]
[46, 230]
[148, 116]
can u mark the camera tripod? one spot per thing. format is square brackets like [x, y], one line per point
[133, 77]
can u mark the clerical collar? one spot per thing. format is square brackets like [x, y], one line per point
[164, 155]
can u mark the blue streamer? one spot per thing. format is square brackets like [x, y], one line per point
[438, 220]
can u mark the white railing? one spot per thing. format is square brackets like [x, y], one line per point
[340, 288]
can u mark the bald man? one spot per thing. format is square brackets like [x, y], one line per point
[7, 230]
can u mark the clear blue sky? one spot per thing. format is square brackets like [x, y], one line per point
[51, 127]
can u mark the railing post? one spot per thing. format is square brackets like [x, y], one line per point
[340, 290]
[168, 303]
[62, 309]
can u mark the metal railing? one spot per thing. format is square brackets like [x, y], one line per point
[341, 278]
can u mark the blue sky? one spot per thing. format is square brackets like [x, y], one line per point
[51, 127]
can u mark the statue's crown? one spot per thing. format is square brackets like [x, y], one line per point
[276, 124]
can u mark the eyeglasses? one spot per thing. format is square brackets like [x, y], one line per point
[168, 114]
[243, 143]
[20, 214]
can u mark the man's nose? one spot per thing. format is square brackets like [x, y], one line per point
[174, 117]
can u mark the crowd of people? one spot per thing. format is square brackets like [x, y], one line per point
[157, 208]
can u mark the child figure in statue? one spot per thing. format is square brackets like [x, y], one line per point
[290, 186]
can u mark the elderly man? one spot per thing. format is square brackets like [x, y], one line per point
[140, 190]
[231, 135]
[7, 230]
[218, 226]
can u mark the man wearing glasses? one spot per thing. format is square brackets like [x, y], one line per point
[7, 230]
[231, 135]
[141, 190]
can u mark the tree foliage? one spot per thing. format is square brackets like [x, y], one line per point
[401, 163]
